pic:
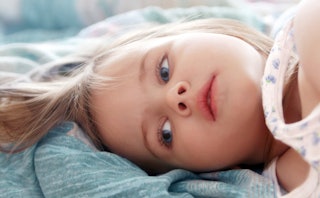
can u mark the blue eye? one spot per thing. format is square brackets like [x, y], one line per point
[166, 134]
[164, 71]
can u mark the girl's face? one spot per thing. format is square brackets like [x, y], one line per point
[190, 101]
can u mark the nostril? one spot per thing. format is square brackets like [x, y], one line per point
[181, 90]
[182, 106]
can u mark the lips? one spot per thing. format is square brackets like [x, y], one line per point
[206, 100]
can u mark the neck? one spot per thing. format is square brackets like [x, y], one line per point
[291, 101]
[266, 150]
[274, 149]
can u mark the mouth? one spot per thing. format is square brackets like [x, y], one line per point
[206, 100]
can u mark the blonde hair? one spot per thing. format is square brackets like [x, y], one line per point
[28, 110]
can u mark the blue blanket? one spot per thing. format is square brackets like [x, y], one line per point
[35, 22]
[63, 166]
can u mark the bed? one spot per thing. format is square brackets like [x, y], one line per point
[62, 165]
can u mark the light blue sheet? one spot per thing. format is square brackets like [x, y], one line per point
[60, 19]
[63, 166]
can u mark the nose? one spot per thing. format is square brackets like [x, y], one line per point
[178, 98]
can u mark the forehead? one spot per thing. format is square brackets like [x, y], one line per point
[125, 58]
[131, 51]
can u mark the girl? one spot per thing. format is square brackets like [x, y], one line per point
[181, 96]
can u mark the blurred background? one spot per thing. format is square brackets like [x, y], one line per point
[35, 32]
[41, 20]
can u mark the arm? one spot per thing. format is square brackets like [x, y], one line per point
[307, 37]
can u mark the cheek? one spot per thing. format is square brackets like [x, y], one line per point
[196, 148]
[241, 96]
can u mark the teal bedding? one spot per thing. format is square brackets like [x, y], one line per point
[63, 166]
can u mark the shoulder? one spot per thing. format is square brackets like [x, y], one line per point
[297, 177]
[303, 183]
[291, 170]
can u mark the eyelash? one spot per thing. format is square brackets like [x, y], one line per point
[160, 133]
[158, 68]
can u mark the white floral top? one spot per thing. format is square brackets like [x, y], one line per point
[304, 135]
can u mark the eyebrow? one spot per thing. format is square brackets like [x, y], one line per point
[142, 68]
[145, 140]
[142, 77]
